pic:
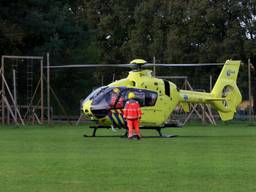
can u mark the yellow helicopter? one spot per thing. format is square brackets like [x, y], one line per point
[157, 97]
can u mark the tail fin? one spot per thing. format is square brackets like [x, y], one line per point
[226, 88]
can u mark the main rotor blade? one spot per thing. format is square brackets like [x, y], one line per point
[133, 65]
[88, 65]
[182, 64]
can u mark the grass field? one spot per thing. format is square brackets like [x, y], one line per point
[221, 158]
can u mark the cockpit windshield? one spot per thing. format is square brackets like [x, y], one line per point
[107, 97]
[95, 93]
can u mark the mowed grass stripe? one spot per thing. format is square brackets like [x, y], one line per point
[59, 158]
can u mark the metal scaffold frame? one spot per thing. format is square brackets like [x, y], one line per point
[9, 106]
[202, 111]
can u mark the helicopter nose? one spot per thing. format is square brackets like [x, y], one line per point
[86, 108]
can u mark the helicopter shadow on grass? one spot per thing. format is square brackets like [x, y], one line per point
[125, 137]
[169, 136]
[215, 136]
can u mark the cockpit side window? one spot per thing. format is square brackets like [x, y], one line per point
[150, 98]
[140, 97]
[144, 97]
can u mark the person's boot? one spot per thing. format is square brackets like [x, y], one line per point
[138, 137]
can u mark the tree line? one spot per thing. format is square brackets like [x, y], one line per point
[117, 31]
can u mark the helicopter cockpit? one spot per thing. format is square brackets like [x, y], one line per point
[107, 98]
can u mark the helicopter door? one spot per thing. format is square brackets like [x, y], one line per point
[150, 110]
[147, 100]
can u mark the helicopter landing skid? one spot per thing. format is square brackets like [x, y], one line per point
[169, 136]
[95, 130]
[158, 129]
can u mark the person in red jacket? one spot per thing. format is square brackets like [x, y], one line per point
[114, 96]
[132, 114]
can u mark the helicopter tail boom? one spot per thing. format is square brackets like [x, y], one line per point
[225, 96]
